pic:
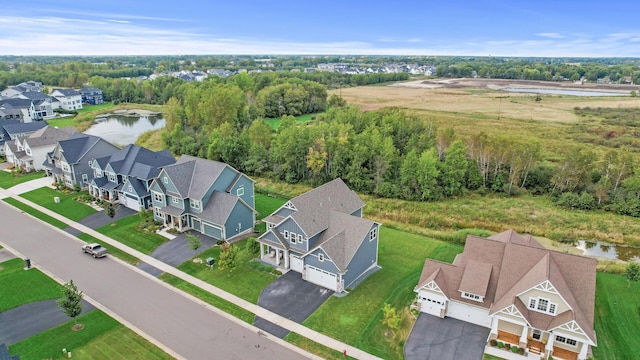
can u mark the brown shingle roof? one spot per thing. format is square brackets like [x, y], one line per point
[475, 279]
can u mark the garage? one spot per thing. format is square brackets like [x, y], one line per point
[131, 201]
[212, 231]
[322, 278]
[432, 304]
[296, 263]
[469, 313]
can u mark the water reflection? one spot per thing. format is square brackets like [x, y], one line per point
[608, 251]
[124, 130]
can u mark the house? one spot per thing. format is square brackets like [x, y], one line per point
[69, 160]
[322, 235]
[126, 175]
[69, 99]
[28, 86]
[42, 103]
[10, 130]
[530, 297]
[91, 95]
[14, 108]
[29, 152]
[207, 196]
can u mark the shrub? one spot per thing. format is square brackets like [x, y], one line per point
[515, 349]
[500, 345]
[220, 242]
[507, 346]
[253, 247]
[493, 342]
[276, 272]
[521, 351]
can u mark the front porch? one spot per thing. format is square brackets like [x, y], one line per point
[274, 256]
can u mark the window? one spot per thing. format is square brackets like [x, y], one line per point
[299, 238]
[85, 178]
[156, 210]
[542, 305]
[472, 296]
[130, 188]
[320, 257]
[112, 177]
[90, 163]
[195, 204]
[293, 237]
[373, 234]
[99, 173]
[65, 166]
[565, 340]
[174, 199]
[286, 234]
[158, 197]
[28, 151]
[165, 180]
[240, 191]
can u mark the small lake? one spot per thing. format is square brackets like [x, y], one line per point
[124, 130]
[563, 92]
[608, 251]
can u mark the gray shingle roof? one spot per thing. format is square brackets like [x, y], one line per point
[16, 103]
[78, 144]
[134, 160]
[67, 92]
[19, 127]
[48, 135]
[36, 95]
[314, 206]
[193, 176]
[219, 208]
[343, 237]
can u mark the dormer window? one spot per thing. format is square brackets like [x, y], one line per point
[543, 305]
[373, 234]
[299, 238]
[195, 204]
[240, 191]
[321, 257]
[468, 295]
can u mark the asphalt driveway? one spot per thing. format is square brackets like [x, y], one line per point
[445, 339]
[291, 297]
[33, 318]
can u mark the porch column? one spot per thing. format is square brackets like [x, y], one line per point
[548, 348]
[286, 259]
[494, 326]
[583, 351]
[261, 250]
[278, 257]
[523, 337]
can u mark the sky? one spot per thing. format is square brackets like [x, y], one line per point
[544, 28]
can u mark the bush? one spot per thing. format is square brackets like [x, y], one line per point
[493, 342]
[220, 242]
[521, 351]
[515, 349]
[584, 201]
[507, 346]
[253, 247]
[500, 345]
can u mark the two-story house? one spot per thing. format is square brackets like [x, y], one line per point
[91, 95]
[69, 99]
[17, 109]
[530, 297]
[207, 196]
[126, 175]
[30, 152]
[69, 160]
[322, 235]
[10, 130]
[42, 103]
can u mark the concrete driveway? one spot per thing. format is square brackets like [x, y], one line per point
[291, 297]
[445, 339]
[99, 219]
[33, 318]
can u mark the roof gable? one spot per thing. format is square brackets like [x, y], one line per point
[343, 237]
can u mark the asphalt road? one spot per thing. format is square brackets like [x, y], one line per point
[186, 327]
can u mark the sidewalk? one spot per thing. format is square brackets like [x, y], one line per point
[253, 308]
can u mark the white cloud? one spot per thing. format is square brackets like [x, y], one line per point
[551, 35]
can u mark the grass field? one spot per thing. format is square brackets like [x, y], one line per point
[126, 257]
[125, 231]
[617, 315]
[91, 108]
[265, 205]
[243, 281]
[22, 287]
[102, 338]
[275, 122]
[7, 179]
[68, 206]
[355, 319]
[35, 213]
[67, 121]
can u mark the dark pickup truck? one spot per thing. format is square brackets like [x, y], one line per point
[94, 249]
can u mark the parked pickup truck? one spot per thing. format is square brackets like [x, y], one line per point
[94, 249]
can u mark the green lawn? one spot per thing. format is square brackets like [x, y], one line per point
[617, 315]
[7, 179]
[102, 338]
[355, 318]
[275, 122]
[243, 281]
[314, 347]
[207, 297]
[21, 287]
[67, 121]
[68, 206]
[265, 205]
[126, 257]
[36, 213]
[126, 231]
[88, 108]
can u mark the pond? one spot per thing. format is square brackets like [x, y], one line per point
[563, 92]
[124, 130]
[608, 251]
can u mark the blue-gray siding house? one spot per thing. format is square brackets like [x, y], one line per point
[207, 196]
[322, 235]
[125, 176]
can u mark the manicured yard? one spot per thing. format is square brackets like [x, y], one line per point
[36, 213]
[314, 347]
[265, 205]
[21, 287]
[355, 319]
[126, 231]
[68, 206]
[617, 315]
[7, 179]
[88, 108]
[102, 338]
[207, 297]
[126, 257]
[243, 281]
[67, 121]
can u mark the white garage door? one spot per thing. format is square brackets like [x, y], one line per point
[131, 203]
[468, 313]
[431, 304]
[296, 263]
[322, 278]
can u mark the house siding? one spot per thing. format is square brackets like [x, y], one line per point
[326, 265]
[100, 149]
[291, 226]
[224, 180]
[168, 184]
[357, 213]
[284, 212]
[246, 184]
[242, 215]
[364, 258]
[561, 305]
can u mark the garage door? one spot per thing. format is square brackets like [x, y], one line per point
[196, 224]
[131, 202]
[322, 278]
[469, 313]
[296, 263]
[432, 304]
[212, 231]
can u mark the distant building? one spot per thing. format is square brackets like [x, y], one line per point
[91, 95]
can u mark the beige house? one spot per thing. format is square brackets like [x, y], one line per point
[528, 296]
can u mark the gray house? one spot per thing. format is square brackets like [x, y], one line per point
[126, 175]
[322, 235]
[69, 160]
[13, 129]
[207, 196]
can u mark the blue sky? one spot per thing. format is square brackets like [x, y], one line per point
[482, 28]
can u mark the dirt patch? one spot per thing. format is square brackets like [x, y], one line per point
[77, 327]
[497, 84]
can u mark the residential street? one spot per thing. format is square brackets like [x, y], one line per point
[186, 327]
